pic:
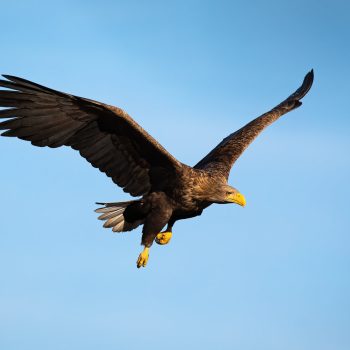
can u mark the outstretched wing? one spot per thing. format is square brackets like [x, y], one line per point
[224, 155]
[106, 136]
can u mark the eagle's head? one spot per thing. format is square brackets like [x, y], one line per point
[229, 194]
[222, 193]
[214, 189]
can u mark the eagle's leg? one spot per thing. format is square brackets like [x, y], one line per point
[154, 222]
[143, 258]
[165, 236]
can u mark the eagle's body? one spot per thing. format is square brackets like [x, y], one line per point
[113, 142]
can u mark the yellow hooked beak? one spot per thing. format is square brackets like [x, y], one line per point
[237, 198]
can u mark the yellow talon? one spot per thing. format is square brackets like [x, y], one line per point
[163, 237]
[143, 258]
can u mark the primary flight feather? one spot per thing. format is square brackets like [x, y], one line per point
[109, 139]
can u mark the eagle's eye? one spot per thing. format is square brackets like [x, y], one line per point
[228, 193]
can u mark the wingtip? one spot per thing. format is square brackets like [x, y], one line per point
[7, 76]
[12, 78]
[15, 79]
[306, 85]
[311, 73]
[309, 76]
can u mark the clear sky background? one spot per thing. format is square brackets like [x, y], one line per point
[273, 275]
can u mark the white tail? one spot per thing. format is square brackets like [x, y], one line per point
[113, 213]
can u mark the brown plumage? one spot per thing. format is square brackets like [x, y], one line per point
[113, 142]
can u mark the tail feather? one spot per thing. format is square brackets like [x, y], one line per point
[109, 214]
[113, 213]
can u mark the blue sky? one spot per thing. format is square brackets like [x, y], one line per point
[273, 275]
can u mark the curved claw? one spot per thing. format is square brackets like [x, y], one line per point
[143, 258]
[163, 237]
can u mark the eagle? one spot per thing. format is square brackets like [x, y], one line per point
[110, 140]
